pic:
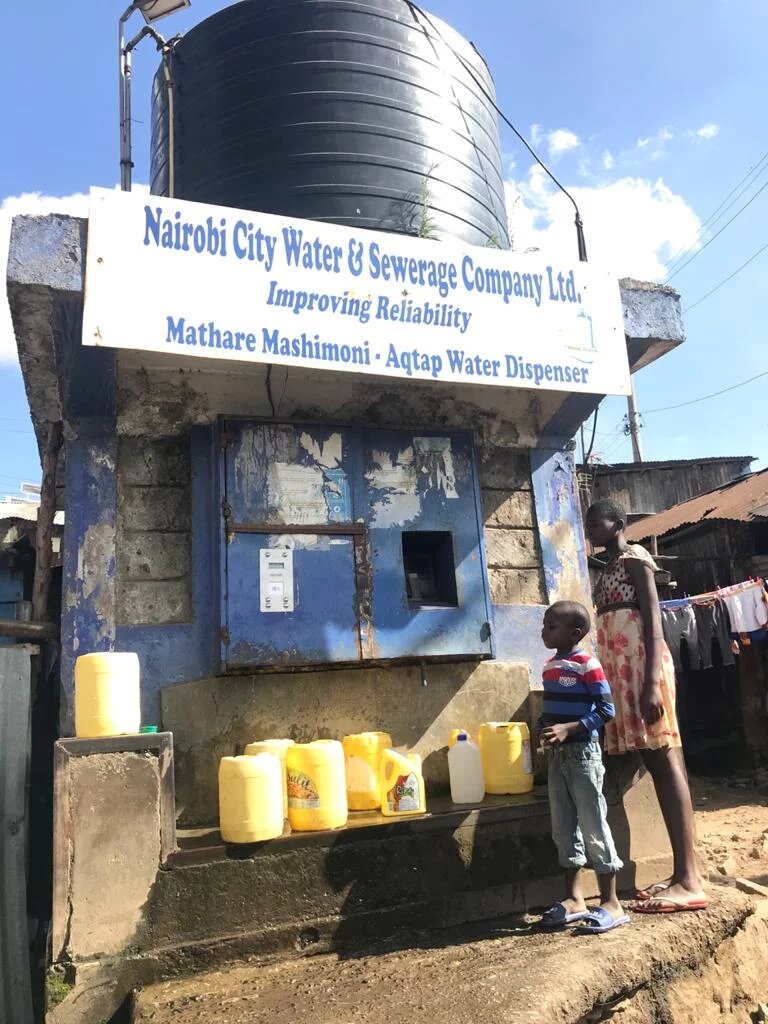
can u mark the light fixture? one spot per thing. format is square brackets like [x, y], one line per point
[154, 10]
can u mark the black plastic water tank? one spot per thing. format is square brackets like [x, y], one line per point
[351, 111]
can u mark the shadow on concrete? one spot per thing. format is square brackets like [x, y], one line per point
[433, 886]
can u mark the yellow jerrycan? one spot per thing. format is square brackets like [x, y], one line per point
[401, 784]
[107, 696]
[278, 747]
[250, 798]
[506, 752]
[317, 791]
[362, 756]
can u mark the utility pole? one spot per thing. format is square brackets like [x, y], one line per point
[633, 424]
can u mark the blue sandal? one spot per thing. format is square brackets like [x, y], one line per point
[558, 917]
[598, 921]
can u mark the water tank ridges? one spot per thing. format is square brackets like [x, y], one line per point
[351, 111]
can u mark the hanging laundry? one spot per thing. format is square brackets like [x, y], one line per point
[747, 608]
[679, 624]
[712, 624]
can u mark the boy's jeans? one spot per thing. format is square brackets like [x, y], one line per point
[578, 808]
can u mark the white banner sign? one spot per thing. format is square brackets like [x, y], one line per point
[165, 275]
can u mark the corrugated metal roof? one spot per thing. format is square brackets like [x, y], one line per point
[742, 501]
[607, 467]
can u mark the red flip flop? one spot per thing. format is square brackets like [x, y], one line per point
[669, 905]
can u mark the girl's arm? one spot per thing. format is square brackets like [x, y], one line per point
[641, 574]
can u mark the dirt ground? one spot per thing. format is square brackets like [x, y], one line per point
[732, 828]
[707, 968]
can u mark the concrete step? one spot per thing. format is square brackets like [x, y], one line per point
[503, 971]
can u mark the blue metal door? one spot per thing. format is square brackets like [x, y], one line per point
[424, 485]
[323, 625]
[289, 487]
[386, 540]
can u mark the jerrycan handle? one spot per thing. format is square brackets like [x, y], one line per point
[389, 765]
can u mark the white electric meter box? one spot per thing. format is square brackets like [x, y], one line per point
[276, 580]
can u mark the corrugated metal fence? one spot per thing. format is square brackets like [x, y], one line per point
[15, 710]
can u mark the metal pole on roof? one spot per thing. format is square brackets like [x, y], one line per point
[634, 424]
[124, 101]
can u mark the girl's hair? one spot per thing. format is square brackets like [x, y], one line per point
[606, 509]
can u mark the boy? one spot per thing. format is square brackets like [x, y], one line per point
[577, 702]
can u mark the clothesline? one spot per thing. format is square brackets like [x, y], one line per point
[713, 595]
[720, 616]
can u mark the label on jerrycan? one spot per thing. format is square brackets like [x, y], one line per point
[302, 793]
[404, 795]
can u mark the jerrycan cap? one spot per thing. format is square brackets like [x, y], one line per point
[462, 737]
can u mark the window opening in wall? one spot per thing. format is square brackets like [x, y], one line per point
[430, 569]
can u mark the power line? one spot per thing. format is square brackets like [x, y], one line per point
[704, 398]
[470, 71]
[754, 172]
[726, 279]
[613, 448]
[717, 233]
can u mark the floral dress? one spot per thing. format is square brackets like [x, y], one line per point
[621, 646]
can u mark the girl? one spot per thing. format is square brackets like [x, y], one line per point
[639, 667]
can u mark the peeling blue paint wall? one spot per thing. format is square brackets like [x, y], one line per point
[183, 651]
[88, 599]
[180, 652]
[561, 531]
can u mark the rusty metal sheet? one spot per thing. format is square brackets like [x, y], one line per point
[743, 501]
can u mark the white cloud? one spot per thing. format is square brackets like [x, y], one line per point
[632, 225]
[561, 140]
[608, 160]
[656, 142]
[708, 131]
[536, 134]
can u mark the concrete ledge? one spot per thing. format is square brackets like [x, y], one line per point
[653, 321]
[216, 717]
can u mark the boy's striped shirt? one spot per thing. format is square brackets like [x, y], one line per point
[575, 689]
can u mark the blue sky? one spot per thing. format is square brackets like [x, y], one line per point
[651, 115]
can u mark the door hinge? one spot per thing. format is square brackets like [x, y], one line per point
[224, 635]
[226, 438]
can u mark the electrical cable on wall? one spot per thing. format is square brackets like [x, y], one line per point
[580, 240]
[586, 455]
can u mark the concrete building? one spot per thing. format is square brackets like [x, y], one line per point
[303, 552]
[149, 442]
[152, 439]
